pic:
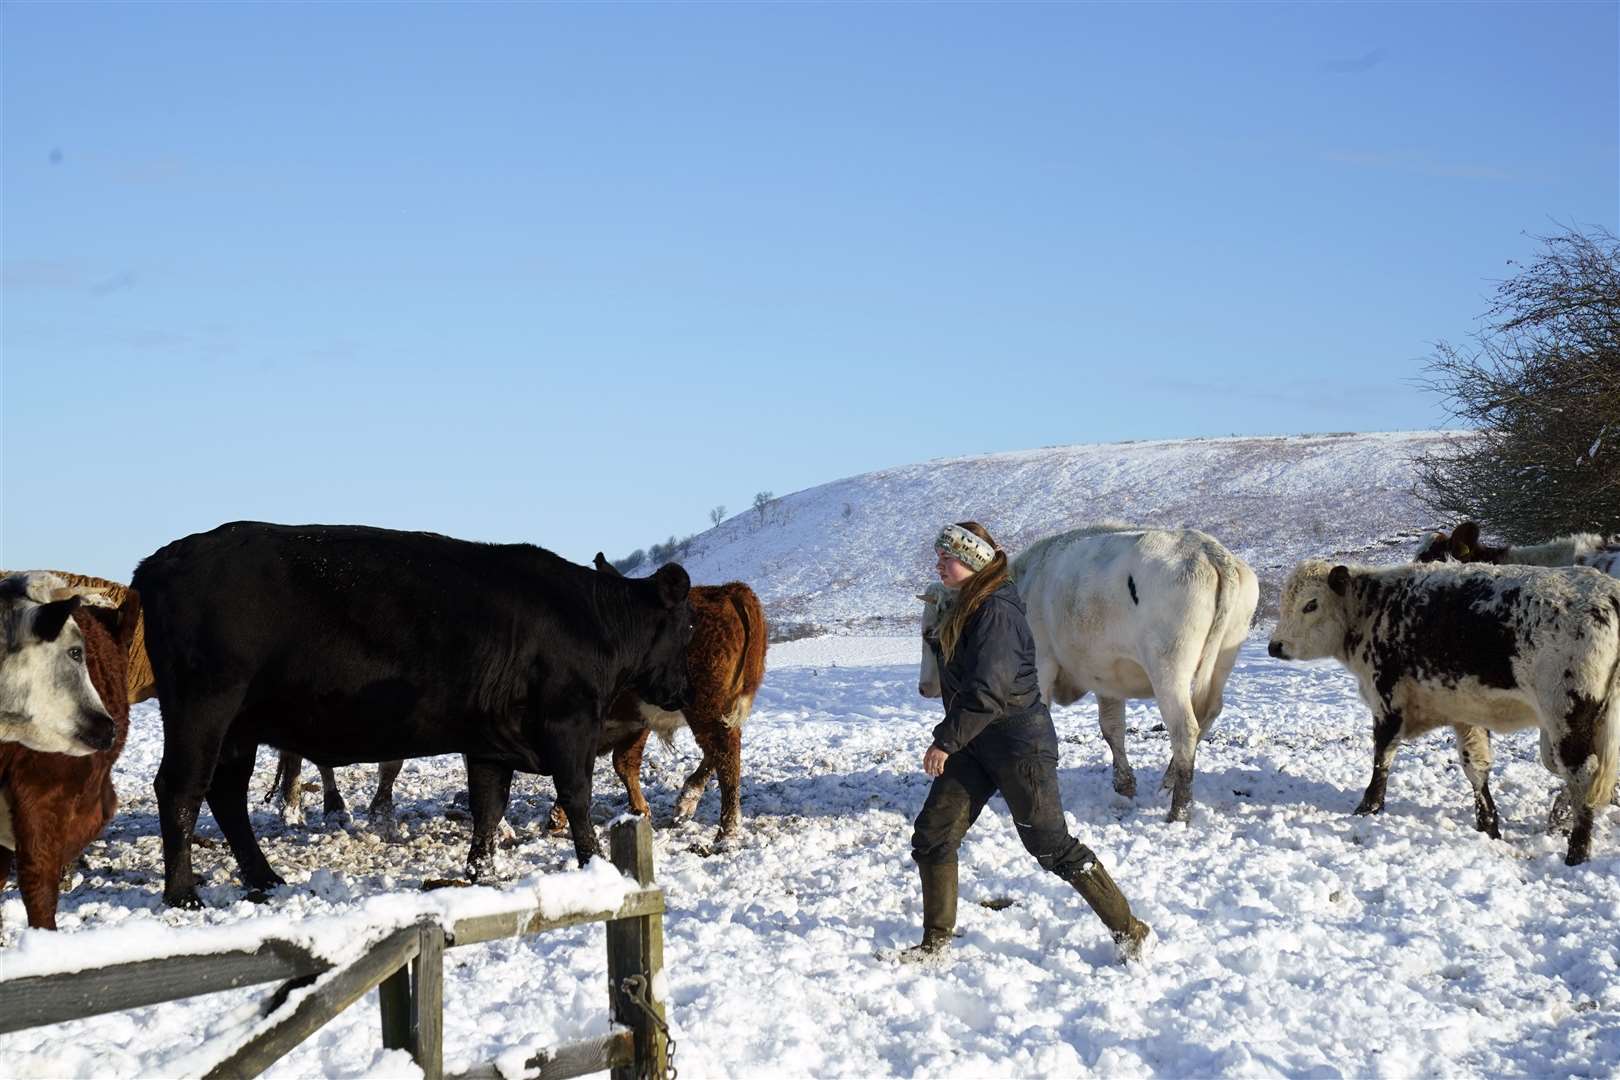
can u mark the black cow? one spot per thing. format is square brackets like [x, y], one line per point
[347, 644]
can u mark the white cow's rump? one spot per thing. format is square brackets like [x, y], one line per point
[1130, 613]
[1499, 648]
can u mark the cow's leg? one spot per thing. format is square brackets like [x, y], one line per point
[693, 786]
[333, 808]
[1111, 718]
[285, 789]
[1580, 833]
[192, 736]
[39, 863]
[1558, 814]
[380, 814]
[627, 764]
[574, 758]
[228, 799]
[1584, 722]
[488, 788]
[1172, 688]
[1386, 739]
[1474, 748]
[722, 754]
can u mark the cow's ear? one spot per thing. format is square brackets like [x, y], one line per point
[106, 616]
[129, 617]
[1339, 579]
[673, 584]
[606, 567]
[1464, 539]
[50, 618]
[925, 598]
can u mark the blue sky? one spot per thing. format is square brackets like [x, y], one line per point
[574, 274]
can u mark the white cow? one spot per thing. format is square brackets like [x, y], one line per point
[1130, 613]
[1497, 647]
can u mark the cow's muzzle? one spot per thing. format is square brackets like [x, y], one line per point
[1276, 649]
[95, 730]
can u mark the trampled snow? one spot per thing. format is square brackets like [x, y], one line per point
[1292, 938]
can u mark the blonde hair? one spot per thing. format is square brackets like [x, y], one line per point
[978, 588]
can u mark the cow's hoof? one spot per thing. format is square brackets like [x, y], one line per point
[291, 815]
[505, 835]
[483, 871]
[1364, 808]
[387, 828]
[687, 805]
[336, 819]
[262, 882]
[1125, 784]
[185, 899]
[257, 896]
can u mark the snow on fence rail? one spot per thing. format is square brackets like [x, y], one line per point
[398, 947]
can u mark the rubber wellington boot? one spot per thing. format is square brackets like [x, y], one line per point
[1093, 883]
[939, 912]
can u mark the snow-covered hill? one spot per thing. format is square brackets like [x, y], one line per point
[847, 556]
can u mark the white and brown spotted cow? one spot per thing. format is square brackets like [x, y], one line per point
[1463, 545]
[1130, 613]
[1500, 648]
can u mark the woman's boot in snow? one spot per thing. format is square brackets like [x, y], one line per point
[1099, 890]
[939, 912]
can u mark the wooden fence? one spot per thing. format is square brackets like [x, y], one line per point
[407, 968]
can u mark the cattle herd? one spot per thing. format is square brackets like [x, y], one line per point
[345, 644]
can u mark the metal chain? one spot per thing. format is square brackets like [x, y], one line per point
[635, 988]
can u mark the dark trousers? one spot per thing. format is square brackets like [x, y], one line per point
[1016, 756]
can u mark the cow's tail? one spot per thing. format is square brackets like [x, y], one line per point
[1228, 583]
[751, 662]
[276, 781]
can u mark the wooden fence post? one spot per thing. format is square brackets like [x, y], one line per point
[427, 1004]
[394, 1001]
[636, 948]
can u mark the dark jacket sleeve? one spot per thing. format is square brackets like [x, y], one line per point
[986, 664]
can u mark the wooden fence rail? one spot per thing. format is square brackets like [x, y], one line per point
[407, 969]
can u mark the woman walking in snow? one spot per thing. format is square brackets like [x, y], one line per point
[997, 735]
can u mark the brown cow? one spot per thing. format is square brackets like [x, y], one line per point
[141, 684]
[725, 662]
[53, 805]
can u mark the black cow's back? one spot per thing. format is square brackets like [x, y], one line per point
[350, 643]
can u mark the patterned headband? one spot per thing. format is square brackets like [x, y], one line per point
[969, 550]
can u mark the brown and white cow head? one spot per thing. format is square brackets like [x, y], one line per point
[47, 701]
[1461, 544]
[937, 602]
[1311, 619]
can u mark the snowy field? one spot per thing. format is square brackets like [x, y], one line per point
[1293, 939]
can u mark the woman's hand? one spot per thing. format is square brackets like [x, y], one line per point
[934, 761]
